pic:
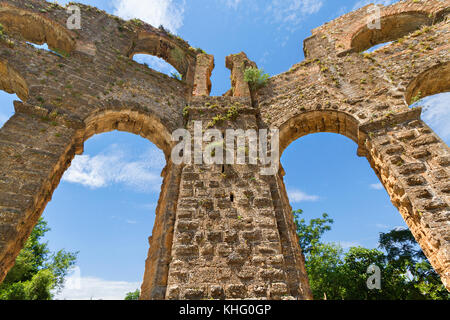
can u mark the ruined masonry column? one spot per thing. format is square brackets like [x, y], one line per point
[226, 242]
[414, 166]
[154, 285]
[203, 71]
[35, 150]
[237, 63]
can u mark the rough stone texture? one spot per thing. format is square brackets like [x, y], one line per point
[237, 63]
[223, 232]
[203, 71]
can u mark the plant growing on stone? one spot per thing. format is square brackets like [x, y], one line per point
[186, 111]
[416, 98]
[232, 113]
[178, 55]
[256, 78]
[176, 75]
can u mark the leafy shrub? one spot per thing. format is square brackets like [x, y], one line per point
[256, 78]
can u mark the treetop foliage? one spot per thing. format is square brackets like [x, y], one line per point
[37, 273]
[336, 274]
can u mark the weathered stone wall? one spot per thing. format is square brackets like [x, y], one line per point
[412, 163]
[232, 238]
[223, 232]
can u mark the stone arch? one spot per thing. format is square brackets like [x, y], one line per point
[294, 128]
[161, 45]
[431, 81]
[143, 124]
[318, 121]
[393, 27]
[411, 163]
[36, 28]
[12, 82]
[48, 161]
[150, 127]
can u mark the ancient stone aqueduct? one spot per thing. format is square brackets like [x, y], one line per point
[224, 231]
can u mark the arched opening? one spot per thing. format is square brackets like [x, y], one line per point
[432, 81]
[142, 123]
[392, 27]
[431, 91]
[104, 208]
[322, 174]
[12, 82]
[146, 125]
[377, 47]
[12, 87]
[436, 113]
[167, 47]
[7, 109]
[18, 21]
[318, 121]
[45, 47]
[157, 64]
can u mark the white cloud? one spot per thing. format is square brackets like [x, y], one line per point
[362, 3]
[377, 186]
[290, 13]
[114, 166]
[296, 196]
[168, 13]
[436, 114]
[96, 289]
[349, 244]
[381, 226]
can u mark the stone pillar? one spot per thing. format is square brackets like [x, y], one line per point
[231, 239]
[35, 150]
[295, 266]
[159, 255]
[237, 63]
[203, 71]
[414, 166]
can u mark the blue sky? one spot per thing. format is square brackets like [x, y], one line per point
[104, 205]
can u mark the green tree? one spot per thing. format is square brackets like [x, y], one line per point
[354, 272]
[323, 265]
[310, 234]
[133, 295]
[37, 273]
[335, 274]
[403, 253]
